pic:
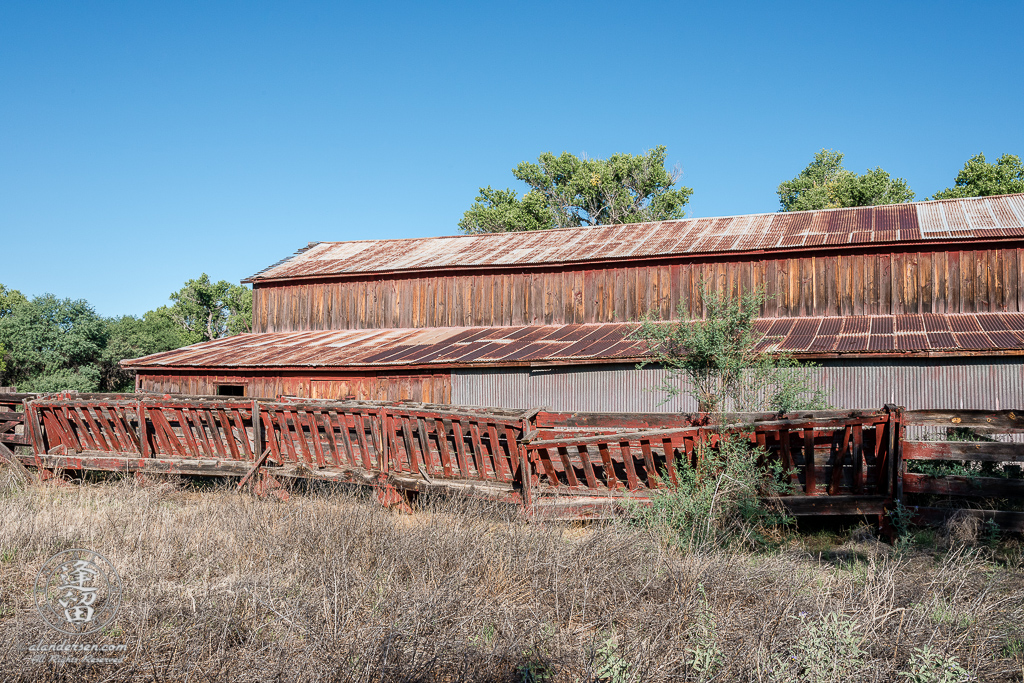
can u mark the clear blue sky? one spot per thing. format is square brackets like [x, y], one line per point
[144, 143]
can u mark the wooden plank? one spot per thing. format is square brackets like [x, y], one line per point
[940, 287]
[123, 426]
[1006, 521]
[82, 431]
[1011, 282]
[215, 436]
[627, 460]
[652, 470]
[165, 435]
[926, 283]
[837, 463]
[54, 432]
[549, 469]
[975, 451]
[787, 457]
[588, 468]
[806, 290]
[859, 304]
[501, 464]
[834, 505]
[409, 442]
[810, 475]
[424, 438]
[204, 441]
[314, 437]
[996, 419]
[391, 424]
[859, 466]
[820, 288]
[444, 449]
[346, 443]
[611, 479]
[104, 442]
[483, 471]
[669, 446]
[238, 426]
[985, 487]
[514, 454]
[271, 436]
[953, 282]
[186, 432]
[460, 448]
[968, 291]
[360, 430]
[324, 420]
[570, 472]
[229, 434]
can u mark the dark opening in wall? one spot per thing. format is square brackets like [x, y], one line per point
[231, 390]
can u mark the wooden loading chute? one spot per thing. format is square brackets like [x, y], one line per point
[554, 464]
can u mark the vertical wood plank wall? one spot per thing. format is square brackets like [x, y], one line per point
[968, 281]
[425, 387]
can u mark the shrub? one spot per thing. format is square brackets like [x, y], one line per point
[727, 497]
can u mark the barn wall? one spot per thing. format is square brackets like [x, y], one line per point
[983, 383]
[853, 284]
[426, 387]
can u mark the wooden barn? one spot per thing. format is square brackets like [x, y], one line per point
[916, 304]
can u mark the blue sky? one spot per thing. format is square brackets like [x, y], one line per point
[142, 144]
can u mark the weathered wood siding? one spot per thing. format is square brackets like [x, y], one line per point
[965, 281]
[424, 387]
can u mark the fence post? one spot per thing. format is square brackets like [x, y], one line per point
[257, 430]
[143, 431]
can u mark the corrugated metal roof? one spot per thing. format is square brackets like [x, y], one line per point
[448, 346]
[976, 217]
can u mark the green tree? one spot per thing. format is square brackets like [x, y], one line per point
[825, 184]
[210, 310]
[725, 362]
[131, 337]
[51, 344]
[567, 191]
[981, 179]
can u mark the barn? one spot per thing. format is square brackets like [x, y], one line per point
[917, 304]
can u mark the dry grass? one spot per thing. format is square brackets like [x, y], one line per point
[329, 586]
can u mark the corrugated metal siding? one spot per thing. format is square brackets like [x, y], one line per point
[996, 384]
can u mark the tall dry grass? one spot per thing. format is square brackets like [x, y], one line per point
[330, 587]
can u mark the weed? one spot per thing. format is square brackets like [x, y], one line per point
[608, 665]
[928, 666]
[727, 497]
[829, 650]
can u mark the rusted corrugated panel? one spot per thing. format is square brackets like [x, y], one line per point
[953, 383]
[543, 343]
[976, 217]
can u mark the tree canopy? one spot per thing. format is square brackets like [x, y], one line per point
[49, 344]
[569, 191]
[979, 178]
[825, 184]
[210, 310]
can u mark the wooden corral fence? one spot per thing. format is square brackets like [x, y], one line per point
[987, 461]
[558, 465]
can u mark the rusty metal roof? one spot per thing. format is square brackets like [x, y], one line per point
[985, 333]
[950, 219]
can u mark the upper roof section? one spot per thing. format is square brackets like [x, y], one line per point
[950, 219]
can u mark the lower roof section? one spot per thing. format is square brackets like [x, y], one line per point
[915, 335]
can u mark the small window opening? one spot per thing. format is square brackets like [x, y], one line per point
[231, 390]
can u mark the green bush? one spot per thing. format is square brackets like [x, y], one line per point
[727, 498]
